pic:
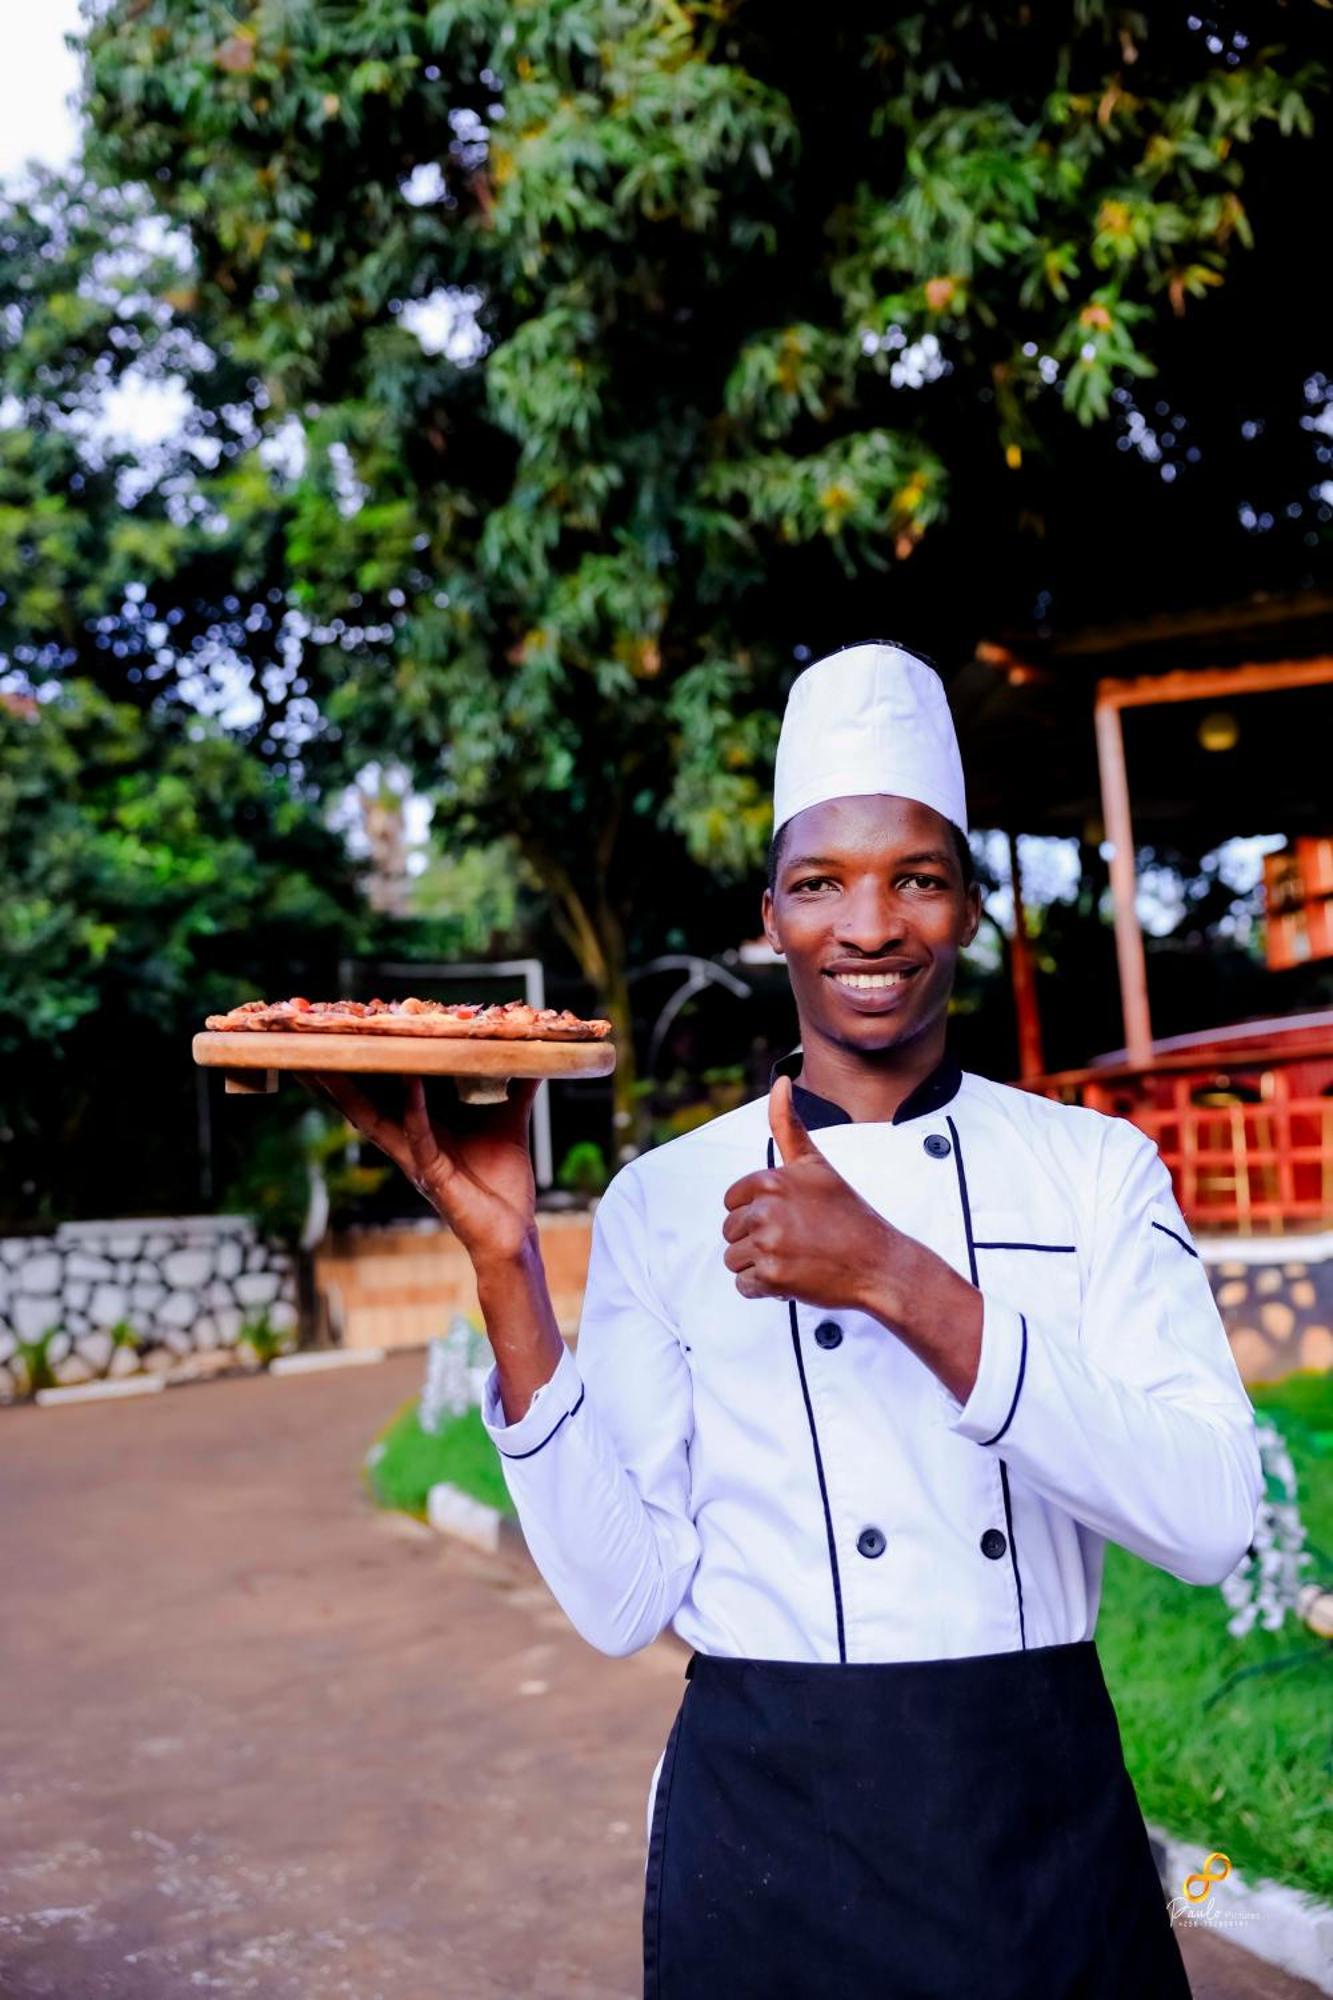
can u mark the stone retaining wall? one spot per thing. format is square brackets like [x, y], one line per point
[181, 1284]
[186, 1285]
[1277, 1309]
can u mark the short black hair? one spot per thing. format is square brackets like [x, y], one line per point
[962, 848]
[899, 645]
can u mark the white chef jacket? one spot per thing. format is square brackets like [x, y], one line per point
[793, 1483]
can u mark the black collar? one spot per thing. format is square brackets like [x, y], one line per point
[933, 1091]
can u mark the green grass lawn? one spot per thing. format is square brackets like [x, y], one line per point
[412, 1461]
[1252, 1774]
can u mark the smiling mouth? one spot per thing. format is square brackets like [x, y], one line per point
[871, 982]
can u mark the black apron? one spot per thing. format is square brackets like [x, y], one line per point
[916, 1830]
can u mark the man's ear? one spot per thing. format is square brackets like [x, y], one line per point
[770, 928]
[973, 924]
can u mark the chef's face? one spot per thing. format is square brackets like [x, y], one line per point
[870, 908]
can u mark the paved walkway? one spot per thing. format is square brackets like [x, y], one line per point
[257, 1738]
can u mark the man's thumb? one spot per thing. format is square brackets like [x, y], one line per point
[793, 1140]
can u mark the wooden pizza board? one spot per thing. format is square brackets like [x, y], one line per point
[481, 1065]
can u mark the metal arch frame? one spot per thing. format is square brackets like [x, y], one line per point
[703, 972]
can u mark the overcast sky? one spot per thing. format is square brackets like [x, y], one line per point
[36, 79]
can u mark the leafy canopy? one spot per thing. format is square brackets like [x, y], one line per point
[544, 374]
[716, 310]
[143, 864]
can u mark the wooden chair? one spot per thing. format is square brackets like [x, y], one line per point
[1228, 1114]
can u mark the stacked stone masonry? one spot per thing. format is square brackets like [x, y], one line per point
[1279, 1315]
[188, 1287]
[181, 1284]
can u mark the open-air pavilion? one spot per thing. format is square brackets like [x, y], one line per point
[1190, 730]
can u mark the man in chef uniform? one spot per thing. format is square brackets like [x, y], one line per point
[868, 1373]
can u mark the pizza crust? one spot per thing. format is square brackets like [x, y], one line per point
[510, 1020]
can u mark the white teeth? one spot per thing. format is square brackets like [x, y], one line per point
[869, 981]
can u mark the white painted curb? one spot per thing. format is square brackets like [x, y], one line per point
[96, 1392]
[1282, 1926]
[324, 1357]
[146, 1384]
[1265, 1249]
[454, 1512]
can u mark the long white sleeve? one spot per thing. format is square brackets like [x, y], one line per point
[598, 1465]
[1137, 1422]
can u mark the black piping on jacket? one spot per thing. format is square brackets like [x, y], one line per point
[571, 1412]
[1176, 1239]
[1004, 1470]
[1071, 1247]
[815, 1112]
[819, 1466]
[930, 1095]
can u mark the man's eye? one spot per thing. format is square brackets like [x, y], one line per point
[815, 881]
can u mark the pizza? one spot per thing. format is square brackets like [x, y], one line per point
[507, 1020]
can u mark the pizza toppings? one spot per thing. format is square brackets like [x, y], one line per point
[506, 1020]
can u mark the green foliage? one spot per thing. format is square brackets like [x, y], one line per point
[113, 567]
[738, 313]
[467, 900]
[745, 322]
[157, 864]
[32, 1364]
[153, 871]
[1240, 1764]
[264, 1340]
[273, 1180]
[35, 1368]
[133, 849]
[584, 1168]
[1304, 1404]
[404, 1462]
[680, 1107]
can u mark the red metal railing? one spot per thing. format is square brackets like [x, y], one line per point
[1247, 1132]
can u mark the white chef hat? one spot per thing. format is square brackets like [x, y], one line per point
[872, 718]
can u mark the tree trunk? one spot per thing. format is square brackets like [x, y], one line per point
[596, 939]
[626, 1110]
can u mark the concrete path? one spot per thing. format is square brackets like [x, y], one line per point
[257, 1738]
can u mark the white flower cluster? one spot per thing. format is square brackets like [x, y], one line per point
[1265, 1583]
[456, 1365]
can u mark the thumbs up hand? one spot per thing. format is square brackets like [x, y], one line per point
[799, 1231]
[790, 1135]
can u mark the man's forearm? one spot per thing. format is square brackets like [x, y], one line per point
[934, 1310]
[515, 1302]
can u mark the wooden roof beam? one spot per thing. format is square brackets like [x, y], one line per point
[1215, 683]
